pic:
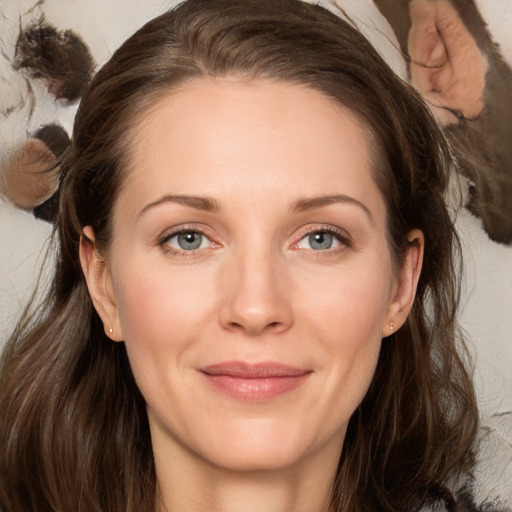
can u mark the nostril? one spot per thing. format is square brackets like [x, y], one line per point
[254, 328]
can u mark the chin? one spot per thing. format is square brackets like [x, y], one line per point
[265, 446]
[253, 459]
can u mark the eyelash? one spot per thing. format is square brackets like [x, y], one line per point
[340, 235]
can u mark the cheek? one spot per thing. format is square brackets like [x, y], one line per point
[158, 302]
[348, 316]
[160, 316]
[350, 307]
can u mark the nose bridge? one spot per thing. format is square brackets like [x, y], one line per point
[256, 300]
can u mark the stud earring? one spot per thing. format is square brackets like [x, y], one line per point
[391, 326]
[110, 330]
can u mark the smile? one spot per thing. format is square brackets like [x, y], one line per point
[254, 382]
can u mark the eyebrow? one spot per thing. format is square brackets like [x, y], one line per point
[209, 204]
[319, 202]
[199, 203]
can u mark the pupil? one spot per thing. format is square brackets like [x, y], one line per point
[320, 241]
[189, 241]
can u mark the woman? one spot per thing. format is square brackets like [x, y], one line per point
[255, 296]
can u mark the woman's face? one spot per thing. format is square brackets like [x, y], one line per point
[249, 273]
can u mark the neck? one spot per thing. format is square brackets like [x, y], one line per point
[182, 486]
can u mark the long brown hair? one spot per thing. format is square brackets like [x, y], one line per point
[73, 428]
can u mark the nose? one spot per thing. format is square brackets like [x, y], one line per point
[255, 296]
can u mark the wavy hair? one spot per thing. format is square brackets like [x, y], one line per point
[74, 433]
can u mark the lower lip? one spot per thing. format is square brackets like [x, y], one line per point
[256, 389]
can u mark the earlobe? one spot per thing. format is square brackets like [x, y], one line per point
[407, 283]
[99, 282]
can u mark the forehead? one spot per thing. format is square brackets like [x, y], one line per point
[234, 138]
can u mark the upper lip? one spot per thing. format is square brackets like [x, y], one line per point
[244, 370]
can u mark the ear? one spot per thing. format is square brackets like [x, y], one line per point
[447, 67]
[99, 282]
[406, 284]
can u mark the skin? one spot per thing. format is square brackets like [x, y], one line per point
[256, 290]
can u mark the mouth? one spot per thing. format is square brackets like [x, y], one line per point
[254, 382]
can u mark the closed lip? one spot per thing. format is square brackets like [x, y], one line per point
[243, 370]
[254, 382]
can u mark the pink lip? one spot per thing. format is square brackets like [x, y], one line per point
[254, 382]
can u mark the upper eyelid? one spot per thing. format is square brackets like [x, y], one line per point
[341, 233]
[170, 232]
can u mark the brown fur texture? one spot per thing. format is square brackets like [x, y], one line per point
[60, 58]
[31, 176]
[459, 69]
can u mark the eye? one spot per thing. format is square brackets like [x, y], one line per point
[322, 240]
[187, 241]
